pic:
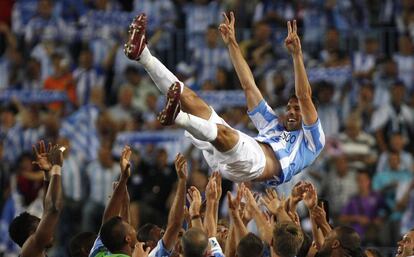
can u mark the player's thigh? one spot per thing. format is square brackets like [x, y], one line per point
[245, 162]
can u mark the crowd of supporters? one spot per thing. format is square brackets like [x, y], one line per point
[360, 58]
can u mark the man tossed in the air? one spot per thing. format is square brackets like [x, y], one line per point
[282, 148]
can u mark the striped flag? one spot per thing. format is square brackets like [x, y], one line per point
[80, 129]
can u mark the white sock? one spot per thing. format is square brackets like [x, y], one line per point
[201, 129]
[162, 77]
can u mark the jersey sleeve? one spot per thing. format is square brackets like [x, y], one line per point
[314, 136]
[98, 249]
[160, 250]
[263, 117]
[215, 249]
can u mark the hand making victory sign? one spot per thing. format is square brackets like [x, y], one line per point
[292, 41]
[227, 29]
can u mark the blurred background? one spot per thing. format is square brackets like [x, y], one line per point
[64, 78]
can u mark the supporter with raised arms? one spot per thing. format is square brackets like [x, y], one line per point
[281, 150]
[32, 234]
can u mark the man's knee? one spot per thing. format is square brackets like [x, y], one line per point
[226, 138]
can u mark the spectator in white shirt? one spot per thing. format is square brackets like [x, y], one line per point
[86, 76]
[357, 145]
[405, 61]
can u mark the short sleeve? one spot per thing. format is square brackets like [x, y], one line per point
[263, 116]
[216, 250]
[160, 250]
[314, 136]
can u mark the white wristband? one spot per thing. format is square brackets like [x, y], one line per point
[56, 170]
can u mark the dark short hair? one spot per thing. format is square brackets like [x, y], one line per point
[81, 243]
[22, 227]
[374, 252]
[349, 240]
[250, 246]
[113, 234]
[364, 171]
[144, 232]
[287, 239]
[194, 243]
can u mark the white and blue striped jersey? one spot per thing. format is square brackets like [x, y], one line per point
[295, 150]
[72, 178]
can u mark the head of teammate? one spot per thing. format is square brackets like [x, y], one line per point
[194, 243]
[118, 236]
[293, 115]
[81, 244]
[22, 227]
[150, 234]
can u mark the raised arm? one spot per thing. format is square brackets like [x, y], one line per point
[265, 232]
[210, 217]
[245, 75]
[117, 200]
[239, 228]
[302, 87]
[53, 203]
[194, 197]
[125, 210]
[44, 165]
[176, 215]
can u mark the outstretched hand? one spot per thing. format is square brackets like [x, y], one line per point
[55, 156]
[181, 166]
[41, 156]
[292, 41]
[311, 197]
[194, 197]
[139, 250]
[271, 201]
[124, 162]
[227, 29]
[298, 191]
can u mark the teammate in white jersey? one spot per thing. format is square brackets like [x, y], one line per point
[281, 149]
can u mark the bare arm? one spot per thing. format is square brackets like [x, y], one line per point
[125, 211]
[230, 250]
[176, 215]
[115, 204]
[265, 232]
[302, 87]
[43, 236]
[317, 235]
[253, 95]
[239, 228]
[210, 216]
[219, 193]
[320, 219]
[44, 164]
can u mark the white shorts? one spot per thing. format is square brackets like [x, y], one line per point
[244, 162]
